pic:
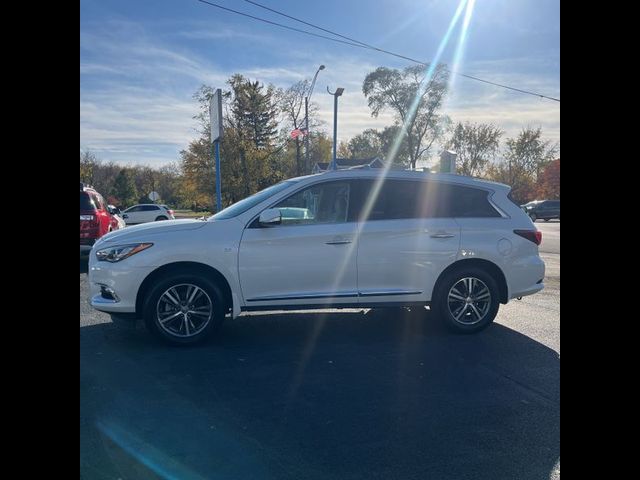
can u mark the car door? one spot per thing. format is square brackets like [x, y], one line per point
[405, 240]
[310, 258]
[134, 215]
[150, 213]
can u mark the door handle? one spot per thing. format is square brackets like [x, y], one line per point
[342, 241]
[442, 235]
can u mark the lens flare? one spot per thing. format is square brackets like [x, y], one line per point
[375, 191]
[462, 42]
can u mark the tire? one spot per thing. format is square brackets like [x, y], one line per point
[546, 219]
[167, 299]
[533, 217]
[161, 217]
[445, 307]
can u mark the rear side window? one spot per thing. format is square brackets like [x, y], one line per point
[398, 199]
[149, 208]
[86, 203]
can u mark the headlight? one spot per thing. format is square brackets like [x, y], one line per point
[120, 252]
[86, 217]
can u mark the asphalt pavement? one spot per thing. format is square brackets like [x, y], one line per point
[336, 394]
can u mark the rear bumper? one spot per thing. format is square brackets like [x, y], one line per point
[529, 291]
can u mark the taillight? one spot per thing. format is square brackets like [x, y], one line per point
[534, 236]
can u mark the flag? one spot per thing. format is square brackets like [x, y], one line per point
[298, 132]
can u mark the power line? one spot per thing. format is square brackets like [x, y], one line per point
[278, 24]
[372, 47]
[357, 43]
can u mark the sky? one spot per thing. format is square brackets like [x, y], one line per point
[142, 61]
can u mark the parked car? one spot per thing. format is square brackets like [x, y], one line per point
[457, 244]
[148, 212]
[95, 218]
[543, 209]
[116, 213]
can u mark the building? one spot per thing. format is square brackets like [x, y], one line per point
[344, 163]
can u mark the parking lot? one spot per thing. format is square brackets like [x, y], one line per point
[344, 394]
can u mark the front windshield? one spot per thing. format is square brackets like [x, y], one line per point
[249, 202]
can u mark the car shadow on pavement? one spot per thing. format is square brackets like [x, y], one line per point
[376, 394]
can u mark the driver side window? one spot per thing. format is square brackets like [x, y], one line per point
[322, 203]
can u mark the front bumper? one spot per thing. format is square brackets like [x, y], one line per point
[114, 286]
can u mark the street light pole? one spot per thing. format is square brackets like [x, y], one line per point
[307, 99]
[336, 94]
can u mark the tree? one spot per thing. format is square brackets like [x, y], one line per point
[549, 181]
[124, 188]
[88, 166]
[476, 144]
[291, 106]
[415, 103]
[254, 111]
[365, 145]
[524, 158]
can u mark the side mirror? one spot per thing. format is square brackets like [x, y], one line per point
[270, 217]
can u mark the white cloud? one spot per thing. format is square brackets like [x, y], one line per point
[137, 106]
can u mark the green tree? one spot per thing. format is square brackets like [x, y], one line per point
[415, 103]
[88, 166]
[124, 188]
[365, 145]
[254, 111]
[476, 145]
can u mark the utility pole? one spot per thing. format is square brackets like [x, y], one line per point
[336, 94]
[307, 99]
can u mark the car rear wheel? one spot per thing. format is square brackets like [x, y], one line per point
[161, 217]
[533, 217]
[184, 309]
[466, 300]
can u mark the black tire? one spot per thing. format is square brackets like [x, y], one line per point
[179, 281]
[533, 217]
[442, 308]
[546, 219]
[161, 217]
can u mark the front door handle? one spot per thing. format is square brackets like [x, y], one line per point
[442, 235]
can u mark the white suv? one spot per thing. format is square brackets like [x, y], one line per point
[147, 212]
[349, 238]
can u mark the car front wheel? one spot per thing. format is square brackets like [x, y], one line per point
[184, 309]
[467, 300]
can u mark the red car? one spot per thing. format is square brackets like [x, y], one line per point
[95, 218]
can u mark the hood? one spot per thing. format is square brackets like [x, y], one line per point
[144, 230]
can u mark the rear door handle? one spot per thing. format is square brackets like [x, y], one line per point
[338, 241]
[442, 235]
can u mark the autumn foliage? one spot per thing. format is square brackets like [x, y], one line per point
[548, 186]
